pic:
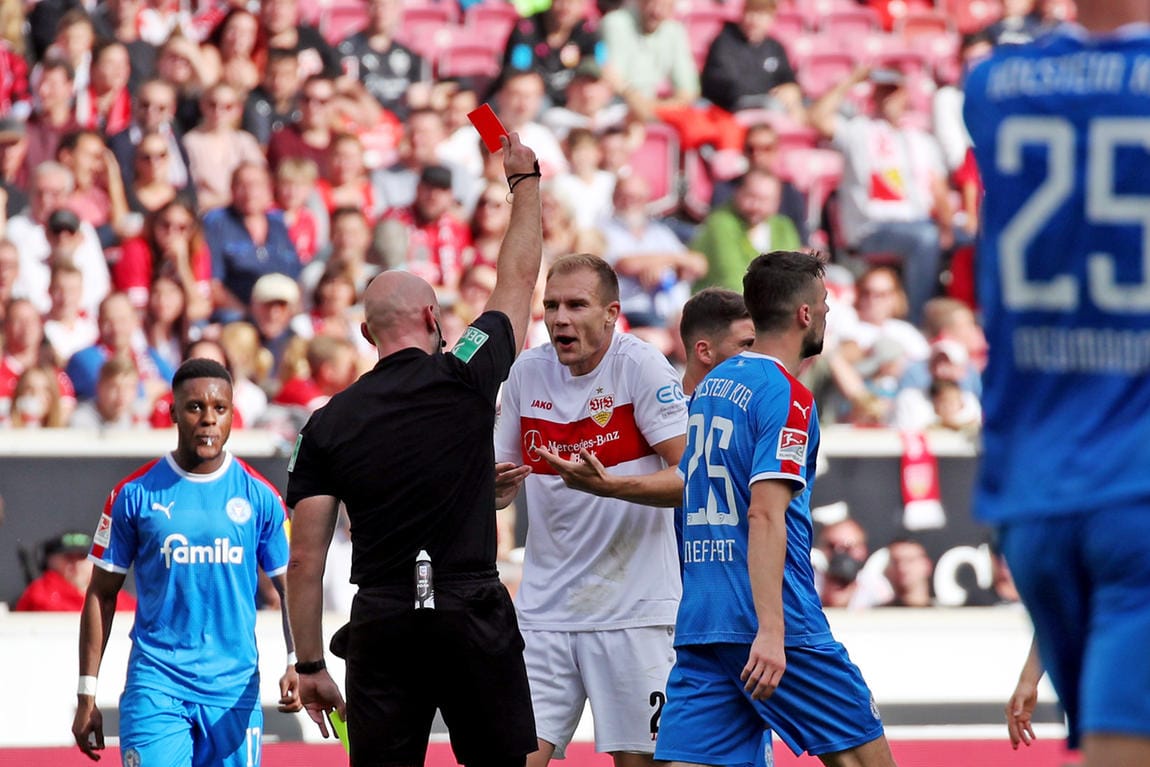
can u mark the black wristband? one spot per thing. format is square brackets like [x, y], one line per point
[310, 667]
[514, 179]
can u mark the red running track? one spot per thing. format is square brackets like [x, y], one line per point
[908, 753]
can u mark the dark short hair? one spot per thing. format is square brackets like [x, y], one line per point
[199, 367]
[608, 280]
[710, 312]
[776, 283]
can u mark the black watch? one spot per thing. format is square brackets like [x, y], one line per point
[310, 667]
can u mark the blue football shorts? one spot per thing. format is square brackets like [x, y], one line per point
[1085, 579]
[157, 730]
[821, 706]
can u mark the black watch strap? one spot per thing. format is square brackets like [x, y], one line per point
[310, 667]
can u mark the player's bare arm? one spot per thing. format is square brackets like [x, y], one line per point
[766, 554]
[1020, 707]
[313, 524]
[517, 269]
[289, 682]
[95, 628]
[661, 488]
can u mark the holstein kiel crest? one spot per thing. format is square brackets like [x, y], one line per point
[602, 406]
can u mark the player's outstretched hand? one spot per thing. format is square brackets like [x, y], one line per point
[517, 157]
[88, 727]
[508, 479]
[289, 691]
[1019, 710]
[587, 474]
[318, 694]
[765, 666]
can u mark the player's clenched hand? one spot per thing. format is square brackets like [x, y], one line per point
[587, 474]
[765, 666]
[517, 157]
[1019, 710]
[508, 479]
[319, 694]
[289, 692]
[88, 727]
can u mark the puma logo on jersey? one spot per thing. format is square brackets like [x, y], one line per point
[166, 509]
[804, 410]
[542, 404]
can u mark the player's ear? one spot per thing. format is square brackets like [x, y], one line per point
[612, 313]
[704, 353]
[806, 315]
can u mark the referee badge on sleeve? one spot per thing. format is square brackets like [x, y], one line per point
[471, 342]
[294, 452]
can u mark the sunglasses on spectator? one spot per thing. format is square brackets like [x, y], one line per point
[312, 98]
[174, 226]
[152, 156]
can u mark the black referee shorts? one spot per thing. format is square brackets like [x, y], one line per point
[464, 657]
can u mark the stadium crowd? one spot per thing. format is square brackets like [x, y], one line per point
[232, 174]
[237, 172]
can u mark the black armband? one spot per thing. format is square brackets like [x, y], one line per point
[310, 667]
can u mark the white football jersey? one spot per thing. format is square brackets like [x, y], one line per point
[594, 563]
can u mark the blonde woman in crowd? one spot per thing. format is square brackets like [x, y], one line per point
[36, 401]
[218, 146]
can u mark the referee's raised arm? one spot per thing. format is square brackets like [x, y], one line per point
[522, 249]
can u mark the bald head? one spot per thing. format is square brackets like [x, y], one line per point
[394, 307]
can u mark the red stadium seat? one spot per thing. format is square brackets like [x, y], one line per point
[821, 70]
[491, 21]
[697, 185]
[814, 10]
[788, 25]
[427, 27]
[342, 20]
[702, 27]
[890, 12]
[849, 24]
[972, 15]
[466, 56]
[915, 23]
[814, 172]
[657, 160]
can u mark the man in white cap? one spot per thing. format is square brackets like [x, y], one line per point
[275, 300]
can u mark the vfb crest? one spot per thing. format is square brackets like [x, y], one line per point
[601, 407]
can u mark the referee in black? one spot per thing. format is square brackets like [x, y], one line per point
[409, 449]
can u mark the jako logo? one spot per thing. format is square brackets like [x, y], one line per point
[541, 404]
[176, 549]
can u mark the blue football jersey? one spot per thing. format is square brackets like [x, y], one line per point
[195, 541]
[749, 421]
[1061, 131]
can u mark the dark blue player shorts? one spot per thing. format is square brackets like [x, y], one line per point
[1085, 578]
[821, 706]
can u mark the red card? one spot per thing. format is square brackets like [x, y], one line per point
[489, 127]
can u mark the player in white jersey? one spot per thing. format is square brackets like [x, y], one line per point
[197, 525]
[600, 579]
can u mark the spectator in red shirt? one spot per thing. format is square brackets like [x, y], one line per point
[53, 115]
[64, 582]
[295, 181]
[331, 362]
[345, 182]
[170, 243]
[427, 238]
[311, 136]
[105, 105]
[23, 348]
